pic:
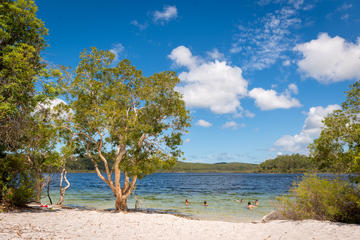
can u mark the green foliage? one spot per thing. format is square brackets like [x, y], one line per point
[338, 147]
[321, 199]
[26, 130]
[124, 109]
[22, 39]
[295, 163]
[118, 117]
[16, 181]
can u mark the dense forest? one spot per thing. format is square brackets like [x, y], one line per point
[295, 163]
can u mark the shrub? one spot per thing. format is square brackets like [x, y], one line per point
[16, 181]
[315, 198]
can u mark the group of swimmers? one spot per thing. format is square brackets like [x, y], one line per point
[249, 206]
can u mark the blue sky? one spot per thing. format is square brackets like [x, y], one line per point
[258, 76]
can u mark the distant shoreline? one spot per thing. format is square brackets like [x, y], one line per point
[212, 171]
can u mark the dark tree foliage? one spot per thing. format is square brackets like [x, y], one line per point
[294, 163]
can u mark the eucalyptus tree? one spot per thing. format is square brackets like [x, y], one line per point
[338, 147]
[129, 123]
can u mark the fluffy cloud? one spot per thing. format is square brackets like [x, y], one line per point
[311, 129]
[117, 49]
[329, 59]
[168, 13]
[203, 123]
[270, 99]
[209, 84]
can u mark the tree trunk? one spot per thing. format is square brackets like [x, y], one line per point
[121, 204]
[39, 187]
[48, 188]
[63, 190]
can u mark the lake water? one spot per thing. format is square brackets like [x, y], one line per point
[167, 192]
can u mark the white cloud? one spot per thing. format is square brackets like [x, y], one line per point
[293, 88]
[117, 49]
[311, 129]
[168, 13]
[51, 106]
[244, 113]
[270, 99]
[286, 62]
[329, 59]
[265, 40]
[203, 123]
[187, 140]
[182, 56]
[215, 54]
[209, 84]
[249, 114]
[233, 125]
[140, 26]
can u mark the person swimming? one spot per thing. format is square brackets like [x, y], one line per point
[250, 206]
[205, 204]
[186, 202]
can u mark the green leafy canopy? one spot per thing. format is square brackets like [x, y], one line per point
[117, 107]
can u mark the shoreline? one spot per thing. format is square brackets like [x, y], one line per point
[64, 223]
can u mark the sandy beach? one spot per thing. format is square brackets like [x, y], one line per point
[91, 224]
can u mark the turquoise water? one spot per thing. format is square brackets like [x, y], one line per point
[167, 192]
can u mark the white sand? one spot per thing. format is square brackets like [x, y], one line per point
[86, 224]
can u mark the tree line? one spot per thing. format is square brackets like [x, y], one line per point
[294, 163]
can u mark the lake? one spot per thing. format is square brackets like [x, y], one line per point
[167, 192]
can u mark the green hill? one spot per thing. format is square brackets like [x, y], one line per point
[217, 167]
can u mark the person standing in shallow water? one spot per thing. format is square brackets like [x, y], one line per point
[205, 204]
[186, 202]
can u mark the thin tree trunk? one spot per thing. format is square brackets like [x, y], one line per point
[39, 186]
[48, 188]
[63, 190]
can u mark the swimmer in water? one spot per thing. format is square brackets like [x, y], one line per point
[205, 204]
[250, 206]
[186, 202]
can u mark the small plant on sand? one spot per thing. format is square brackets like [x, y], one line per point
[321, 199]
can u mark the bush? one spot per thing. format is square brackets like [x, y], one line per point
[315, 198]
[16, 181]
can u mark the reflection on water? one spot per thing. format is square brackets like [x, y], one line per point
[168, 191]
